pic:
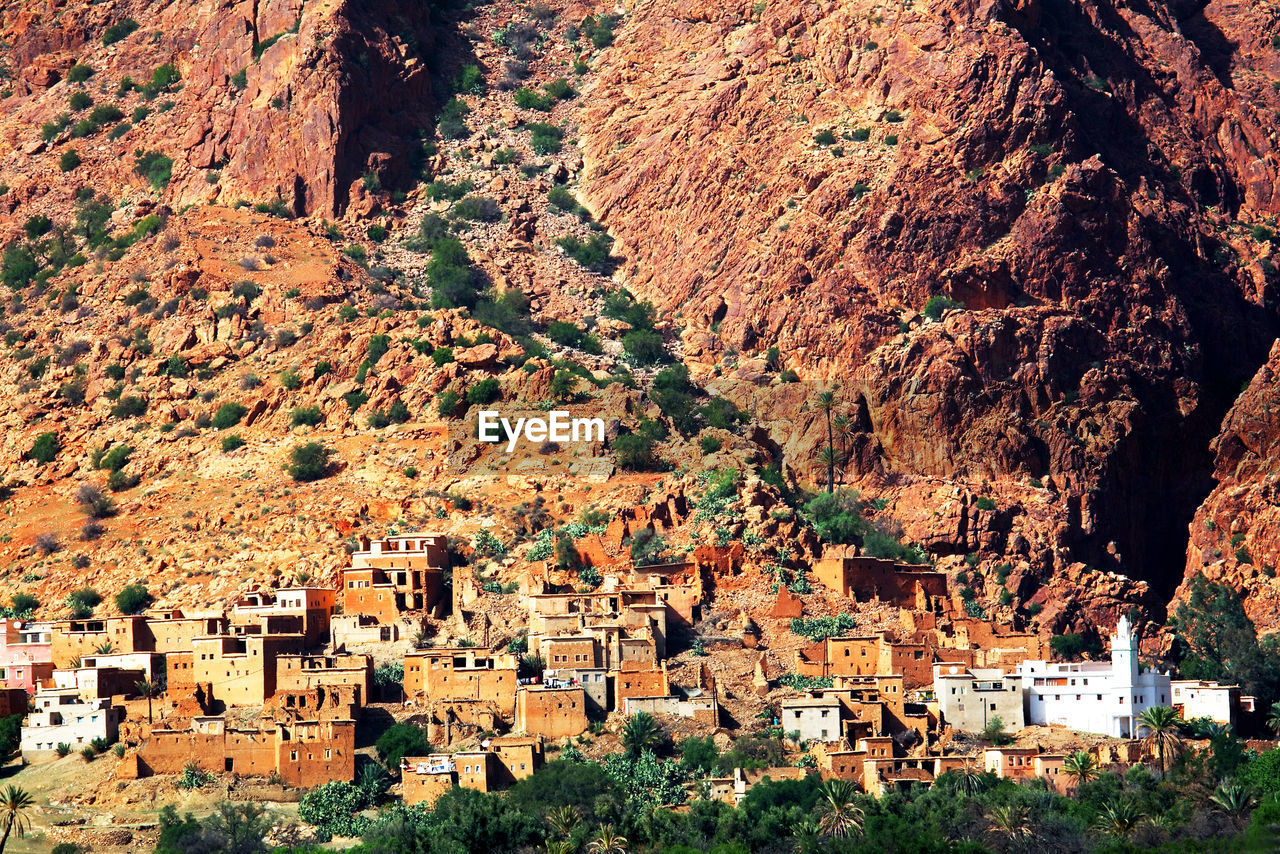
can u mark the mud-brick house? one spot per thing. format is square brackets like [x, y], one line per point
[497, 764]
[549, 712]
[292, 610]
[302, 753]
[242, 670]
[395, 575]
[462, 673]
[297, 672]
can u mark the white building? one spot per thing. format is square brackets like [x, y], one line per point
[1195, 699]
[1098, 697]
[971, 699]
[815, 718]
[61, 717]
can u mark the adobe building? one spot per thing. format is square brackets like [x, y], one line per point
[395, 575]
[303, 611]
[321, 703]
[551, 712]
[74, 639]
[302, 753]
[301, 672]
[97, 683]
[869, 579]
[812, 718]
[867, 656]
[595, 683]
[243, 669]
[172, 630]
[498, 763]
[462, 673]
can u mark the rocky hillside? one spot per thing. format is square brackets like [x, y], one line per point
[1028, 244]
[1092, 183]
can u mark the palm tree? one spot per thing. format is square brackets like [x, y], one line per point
[1273, 718]
[147, 688]
[641, 733]
[838, 815]
[14, 803]
[1162, 726]
[557, 847]
[826, 404]
[104, 648]
[607, 841]
[564, 820]
[1082, 766]
[807, 836]
[1010, 821]
[1119, 819]
[1234, 800]
[968, 780]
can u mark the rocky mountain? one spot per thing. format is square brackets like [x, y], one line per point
[1093, 182]
[1028, 243]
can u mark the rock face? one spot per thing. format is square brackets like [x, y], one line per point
[1235, 536]
[280, 101]
[809, 176]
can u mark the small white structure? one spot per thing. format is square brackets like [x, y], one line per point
[815, 718]
[1098, 697]
[1218, 703]
[971, 699]
[61, 717]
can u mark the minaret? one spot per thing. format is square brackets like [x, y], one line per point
[1124, 656]
[1124, 677]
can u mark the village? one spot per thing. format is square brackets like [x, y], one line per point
[275, 686]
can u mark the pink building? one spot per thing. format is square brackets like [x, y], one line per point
[26, 654]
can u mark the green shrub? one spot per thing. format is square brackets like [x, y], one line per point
[290, 380]
[824, 137]
[119, 31]
[442, 356]
[129, 406]
[305, 416]
[308, 462]
[635, 452]
[544, 138]
[119, 481]
[79, 73]
[527, 99]
[80, 100]
[228, 415]
[155, 167]
[937, 304]
[240, 79]
[69, 160]
[133, 598]
[105, 114]
[45, 448]
[643, 347]
[593, 253]
[452, 121]
[115, 459]
[447, 403]
[477, 209]
[485, 391]
[231, 442]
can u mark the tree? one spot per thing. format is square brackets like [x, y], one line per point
[968, 780]
[1081, 766]
[564, 820]
[14, 803]
[1218, 641]
[308, 462]
[133, 598]
[147, 688]
[401, 740]
[826, 404]
[1119, 818]
[332, 809]
[1011, 822]
[608, 841]
[641, 732]
[1233, 800]
[838, 814]
[45, 448]
[1162, 725]
[1273, 718]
